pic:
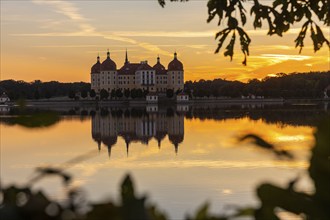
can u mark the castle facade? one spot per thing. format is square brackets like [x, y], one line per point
[141, 75]
[156, 125]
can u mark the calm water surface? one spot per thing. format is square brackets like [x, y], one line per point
[179, 157]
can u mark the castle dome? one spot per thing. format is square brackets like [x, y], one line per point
[176, 139]
[109, 141]
[175, 64]
[97, 66]
[108, 64]
[160, 69]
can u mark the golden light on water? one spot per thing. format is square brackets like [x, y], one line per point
[210, 162]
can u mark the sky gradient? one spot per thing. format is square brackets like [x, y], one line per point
[59, 40]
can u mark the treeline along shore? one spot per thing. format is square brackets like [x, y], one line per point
[286, 86]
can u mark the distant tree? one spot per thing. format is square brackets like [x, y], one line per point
[127, 93]
[139, 93]
[48, 94]
[169, 93]
[134, 93]
[92, 93]
[119, 93]
[104, 94]
[279, 15]
[113, 93]
[178, 91]
[215, 92]
[145, 92]
[71, 94]
[83, 93]
[36, 94]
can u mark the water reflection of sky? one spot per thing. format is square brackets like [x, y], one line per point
[210, 164]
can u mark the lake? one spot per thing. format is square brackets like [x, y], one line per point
[180, 156]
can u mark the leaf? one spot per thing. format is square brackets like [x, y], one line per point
[244, 212]
[162, 3]
[202, 212]
[245, 42]
[258, 141]
[277, 3]
[232, 23]
[301, 36]
[242, 12]
[321, 37]
[230, 47]
[224, 33]
[127, 189]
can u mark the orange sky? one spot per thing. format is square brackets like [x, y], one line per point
[59, 40]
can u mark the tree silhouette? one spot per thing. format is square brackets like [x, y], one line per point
[92, 93]
[71, 94]
[169, 93]
[84, 94]
[119, 93]
[280, 16]
[104, 94]
[127, 93]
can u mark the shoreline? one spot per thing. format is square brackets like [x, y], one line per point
[238, 101]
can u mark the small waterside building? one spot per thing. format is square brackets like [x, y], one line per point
[4, 98]
[182, 97]
[152, 97]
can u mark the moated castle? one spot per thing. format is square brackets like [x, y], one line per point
[141, 75]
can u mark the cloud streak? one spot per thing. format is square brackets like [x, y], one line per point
[69, 10]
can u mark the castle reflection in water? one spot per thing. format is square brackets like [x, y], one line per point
[138, 125]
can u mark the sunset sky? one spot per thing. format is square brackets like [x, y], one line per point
[59, 40]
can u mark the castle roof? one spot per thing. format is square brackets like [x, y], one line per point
[175, 64]
[108, 64]
[97, 66]
[144, 66]
[128, 68]
[160, 69]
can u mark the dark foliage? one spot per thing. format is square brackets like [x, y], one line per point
[127, 93]
[119, 93]
[169, 93]
[279, 15]
[84, 93]
[104, 94]
[92, 93]
[296, 85]
[37, 89]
